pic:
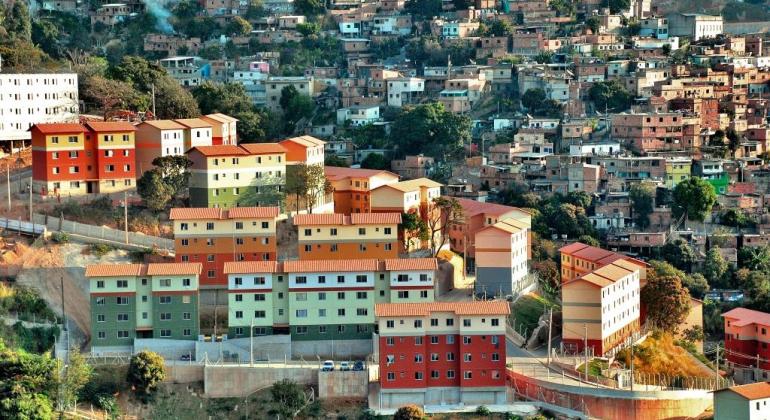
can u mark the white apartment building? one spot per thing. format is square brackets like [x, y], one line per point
[359, 115]
[157, 138]
[403, 90]
[187, 71]
[29, 99]
[694, 26]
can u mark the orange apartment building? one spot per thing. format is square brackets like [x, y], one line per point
[747, 342]
[411, 196]
[214, 236]
[343, 237]
[352, 187]
[578, 259]
[477, 216]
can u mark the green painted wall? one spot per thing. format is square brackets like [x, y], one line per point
[325, 307]
[247, 306]
[179, 306]
[110, 326]
[232, 332]
[316, 332]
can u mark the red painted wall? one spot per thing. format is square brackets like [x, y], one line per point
[404, 367]
[118, 160]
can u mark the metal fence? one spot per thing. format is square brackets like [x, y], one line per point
[103, 233]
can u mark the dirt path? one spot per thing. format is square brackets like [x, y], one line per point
[50, 266]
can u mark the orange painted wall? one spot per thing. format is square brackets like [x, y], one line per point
[346, 251]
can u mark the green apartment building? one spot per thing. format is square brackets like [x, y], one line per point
[227, 176]
[321, 299]
[156, 300]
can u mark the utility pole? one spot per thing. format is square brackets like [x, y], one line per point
[251, 343]
[550, 328]
[716, 372]
[632, 366]
[153, 101]
[30, 201]
[585, 349]
[8, 183]
[125, 214]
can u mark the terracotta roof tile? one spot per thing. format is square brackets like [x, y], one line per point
[496, 307]
[221, 117]
[753, 391]
[592, 253]
[110, 126]
[194, 123]
[253, 212]
[174, 269]
[325, 266]
[343, 220]
[473, 207]
[375, 218]
[334, 173]
[220, 150]
[408, 264]
[412, 184]
[164, 124]
[743, 316]
[307, 141]
[185, 213]
[319, 219]
[116, 270]
[572, 248]
[59, 128]
[263, 148]
[248, 267]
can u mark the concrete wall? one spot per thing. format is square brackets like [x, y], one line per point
[180, 373]
[332, 349]
[240, 381]
[442, 396]
[169, 349]
[614, 404]
[339, 384]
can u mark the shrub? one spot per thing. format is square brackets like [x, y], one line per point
[409, 412]
[146, 371]
[482, 410]
[101, 250]
[60, 237]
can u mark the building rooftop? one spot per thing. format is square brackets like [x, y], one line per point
[335, 173]
[410, 264]
[336, 219]
[110, 126]
[58, 128]
[164, 124]
[753, 391]
[495, 307]
[473, 207]
[307, 141]
[151, 269]
[413, 184]
[220, 150]
[248, 267]
[221, 118]
[743, 317]
[263, 148]
[194, 123]
[204, 213]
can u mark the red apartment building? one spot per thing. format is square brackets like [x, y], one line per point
[74, 159]
[441, 352]
[747, 340]
[648, 131]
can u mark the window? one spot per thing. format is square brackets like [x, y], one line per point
[450, 357]
[165, 300]
[301, 313]
[450, 339]
[467, 374]
[100, 284]
[418, 358]
[434, 374]
[322, 296]
[165, 282]
[418, 341]
[466, 322]
[341, 312]
[186, 332]
[450, 374]
[340, 295]
[362, 231]
[165, 333]
[403, 294]
[362, 312]
[259, 314]
[321, 279]
[389, 341]
[122, 334]
[361, 295]
[418, 376]
[434, 357]
[100, 318]
[322, 313]
[495, 322]
[450, 322]
[165, 316]
[301, 297]
[209, 225]
[301, 280]
[186, 316]
[186, 282]
[102, 335]
[100, 301]
[467, 357]
[121, 300]
[340, 279]
[361, 278]
[122, 284]
[390, 324]
[387, 231]
[423, 294]
[466, 339]
[495, 357]
[417, 323]
[333, 232]
[391, 376]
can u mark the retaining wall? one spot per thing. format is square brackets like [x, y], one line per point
[615, 404]
[339, 384]
[240, 381]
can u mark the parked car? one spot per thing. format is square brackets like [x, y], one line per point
[358, 365]
[186, 358]
[345, 366]
[327, 366]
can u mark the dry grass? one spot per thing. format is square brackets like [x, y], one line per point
[659, 355]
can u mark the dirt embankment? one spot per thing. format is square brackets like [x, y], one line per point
[49, 266]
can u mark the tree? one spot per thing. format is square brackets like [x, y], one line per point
[589, 240]
[423, 8]
[497, 27]
[75, 376]
[375, 161]
[443, 214]
[26, 384]
[755, 258]
[413, 227]
[309, 7]
[532, 98]
[735, 218]
[309, 28]
[145, 371]
[693, 334]
[295, 106]
[693, 197]
[544, 57]
[618, 6]
[232, 99]
[289, 397]
[696, 284]
[593, 24]
[409, 412]
[334, 160]
[155, 192]
[17, 22]
[238, 26]
[174, 170]
[172, 101]
[667, 301]
[110, 96]
[679, 254]
[642, 197]
[432, 130]
[308, 184]
[733, 139]
[45, 34]
[610, 95]
[715, 267]
[548, 276]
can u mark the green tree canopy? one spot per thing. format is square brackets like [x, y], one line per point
[679, 254]
[667, 301]
[145, 371]
[432, 130]
[610, 95]
[423, 8]
[375, 161]
[715, 268]
[155, 192]
[642, 197]
[409, 412]
[496, 27]
[693, 197]
[27, 385]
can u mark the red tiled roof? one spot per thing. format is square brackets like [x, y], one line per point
[334, 173]
[186, 213]
[571, 248]
[319, 219]
[220, 150]
[306, 141]
[495, 307]
[375, 218]
[110, 126]
[174, 269]
[116, 270]
[194, 123]
[745, 316]
[247, 267]
[341, 219]
[253, 212]
[753, 391]
[164, 124]
[325, 266]
[263, 148]
[59, 128]
[473, 207]
[592, 253]
[408, 264]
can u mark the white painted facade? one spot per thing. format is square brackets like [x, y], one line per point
[620, 303]
[29, 99]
